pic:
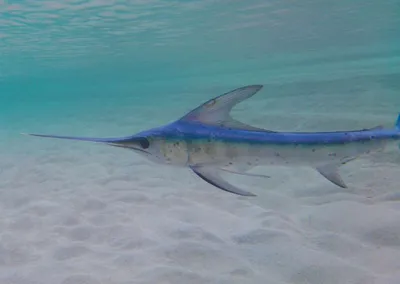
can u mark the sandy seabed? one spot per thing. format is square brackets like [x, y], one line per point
[84, 214]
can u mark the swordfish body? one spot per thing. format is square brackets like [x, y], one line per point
[208, 140]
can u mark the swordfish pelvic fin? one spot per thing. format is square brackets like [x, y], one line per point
[245, 174]
[210, 175]
[217, 110]
[330, 172]
[241, 169]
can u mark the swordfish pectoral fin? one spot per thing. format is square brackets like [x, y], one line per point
[330, 172]
[210, 175]
[217, 110]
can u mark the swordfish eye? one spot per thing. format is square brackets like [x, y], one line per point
[144, 143]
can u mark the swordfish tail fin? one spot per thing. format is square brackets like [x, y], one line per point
[397, 126]
[398, 122]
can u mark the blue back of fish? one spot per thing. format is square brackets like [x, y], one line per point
[194, 130]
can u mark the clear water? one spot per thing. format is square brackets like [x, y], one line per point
[112, 68]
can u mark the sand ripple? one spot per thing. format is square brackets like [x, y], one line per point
[73, 229]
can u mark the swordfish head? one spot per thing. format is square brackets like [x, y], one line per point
[159, 144]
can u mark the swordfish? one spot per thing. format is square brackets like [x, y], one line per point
[208, 141]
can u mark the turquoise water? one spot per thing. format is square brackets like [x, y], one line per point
[98, 55]
[113, 68]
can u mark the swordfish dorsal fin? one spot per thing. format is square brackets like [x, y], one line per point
[217, 110]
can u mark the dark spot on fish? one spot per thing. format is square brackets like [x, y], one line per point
[230, 163]
[249, 163]
[313, 150]
[277, 154]
[332, 154]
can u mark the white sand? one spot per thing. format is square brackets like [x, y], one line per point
[80, 213]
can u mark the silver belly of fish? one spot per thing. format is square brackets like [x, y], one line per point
[227, 154]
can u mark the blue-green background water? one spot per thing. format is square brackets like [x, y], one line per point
[113, 68]
[98, 58]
